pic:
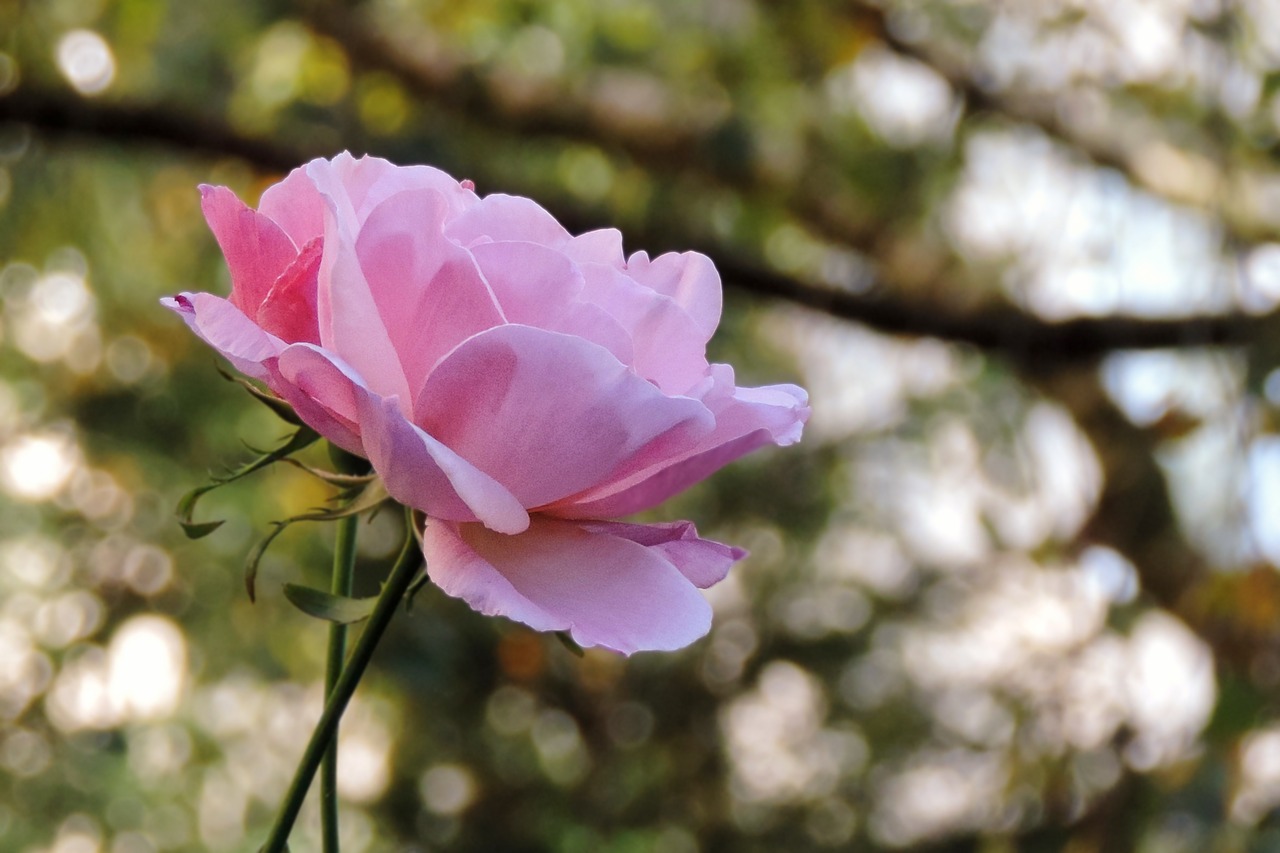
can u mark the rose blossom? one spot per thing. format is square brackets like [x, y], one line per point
[519, 385]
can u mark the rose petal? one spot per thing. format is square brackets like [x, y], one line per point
[296, 206]
[549, 415]
[289, 309]
[689, 278]
[421, 472]
[669, 347]
[703, 561]
[602, 246]
[224, 327]
[605, 590]
[257, 251]
[500, 218]
[323, 391]
[746, 420]
[428, 291]
[538, 286]
[347, 314]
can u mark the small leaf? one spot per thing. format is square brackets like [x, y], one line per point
[570, 643]
[304, 437]
[327, 606]
[199, 530]
[255, 557]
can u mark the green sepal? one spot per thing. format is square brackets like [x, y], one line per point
[186, 507]
[570, 644]
[325, 605]
[333, 478]
[281, 408]
[370, 496]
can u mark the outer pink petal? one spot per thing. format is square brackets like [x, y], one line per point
[605, 590]
[746, 420]
[689, 278]
[257, 251]
[539, 286]
[224, 327]
[549, 415]
[324, 391]
[429, 293]
[703, 561]
[421, 472]
[500, 218]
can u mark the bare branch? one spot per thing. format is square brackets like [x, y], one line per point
[1005, 330]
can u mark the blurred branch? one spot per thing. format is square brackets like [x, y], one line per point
[65, 114]
[669, 144]
[1003, 329]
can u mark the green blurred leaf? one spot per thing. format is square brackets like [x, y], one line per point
[327, 606]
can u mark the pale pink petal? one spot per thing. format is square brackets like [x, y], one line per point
[549, 415]
[605, 590]
[703, 561]
[257, 251]
[296, 206]
[429, 293]
[289, 310]
[670, 349]
[602, 246]
[348, 316]
[746, 420]
[538, 286]
[499, 218]
[421, 472]
[224, 327]
[689, 278]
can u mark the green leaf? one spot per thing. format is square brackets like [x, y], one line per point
[327, 606]
[186, 507]
[199, 530]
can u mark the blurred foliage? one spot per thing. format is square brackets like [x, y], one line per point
[1016, 590]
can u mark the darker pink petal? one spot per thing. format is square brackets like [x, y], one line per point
[257, 251]
[289, 310]
[605, 590]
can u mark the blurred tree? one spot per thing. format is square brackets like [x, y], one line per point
[1016, 591]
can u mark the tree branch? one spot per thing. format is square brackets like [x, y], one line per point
[1002, 329]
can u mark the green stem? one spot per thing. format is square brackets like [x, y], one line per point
[344, 564]
[393, 591]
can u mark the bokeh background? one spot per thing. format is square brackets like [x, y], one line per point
[1016, 590]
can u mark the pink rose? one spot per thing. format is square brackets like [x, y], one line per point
[517, 384]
